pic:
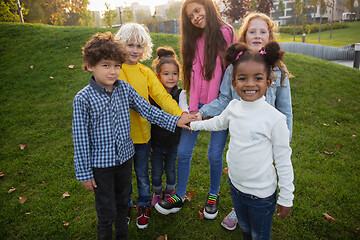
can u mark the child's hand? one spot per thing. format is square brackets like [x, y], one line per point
[282, 211]
[89, 185]
[198, 116]
[184, 120]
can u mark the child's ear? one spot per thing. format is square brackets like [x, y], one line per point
[88, 67]
[268, 83]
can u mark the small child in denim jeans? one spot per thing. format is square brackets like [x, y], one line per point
[163, 142]
[259, 155]
[101, 132]
[138, 46]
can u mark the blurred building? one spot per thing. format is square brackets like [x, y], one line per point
[169, 26]
[168, 11]
[286, 16]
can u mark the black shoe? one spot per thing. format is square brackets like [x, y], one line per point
[171, 205]
[211, 206]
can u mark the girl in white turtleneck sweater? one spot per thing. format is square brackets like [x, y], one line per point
[259, 137]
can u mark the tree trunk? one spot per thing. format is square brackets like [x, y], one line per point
[332, 18]
[320, 26]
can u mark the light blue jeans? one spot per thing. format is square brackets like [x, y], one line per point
[215, 156]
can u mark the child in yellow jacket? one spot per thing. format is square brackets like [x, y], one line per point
[138, 46]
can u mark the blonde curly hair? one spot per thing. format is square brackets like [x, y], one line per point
[141, 35]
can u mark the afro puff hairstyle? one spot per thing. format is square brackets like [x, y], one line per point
[269, 55]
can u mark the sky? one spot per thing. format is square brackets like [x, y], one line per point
[99, 5]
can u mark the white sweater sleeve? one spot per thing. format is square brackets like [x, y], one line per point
[217, 123]
[282, 157]
[183, 101]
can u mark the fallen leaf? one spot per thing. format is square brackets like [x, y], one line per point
[65, 223]
[338, 145]
[31, 67]
[22, 146]
[189, 195]
[20, 172]
[339, 100]
[71, 66]
[325, 124]
[23, 184]
[11, 190]
[28, 213]
[225, 170]
[201, 208]
[1, 174]
[328, 153]
[162, 237]
[22, 199]
[228, 191]
[201, 215]
[66, 194]
[329, 218]
[51, 77]
[353, 136]
[43, 182]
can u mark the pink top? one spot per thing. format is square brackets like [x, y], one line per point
[203, 91]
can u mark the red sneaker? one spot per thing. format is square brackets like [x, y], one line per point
[143, 217]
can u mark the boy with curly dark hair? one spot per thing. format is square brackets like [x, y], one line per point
[101, 132]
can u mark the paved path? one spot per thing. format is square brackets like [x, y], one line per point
[345, 62]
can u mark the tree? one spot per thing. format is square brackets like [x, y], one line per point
[87, 19]
[332, 17]
[322, 9]
[236, 9]
[127, 15]
[9, 11]
[75, 9]
[173, 11]
[37, 12]
[109, 16]
[265, 6]
[56, 12]
[281, 6]
[313, 7]
[254, 5]
[351, 4]
[142, 17]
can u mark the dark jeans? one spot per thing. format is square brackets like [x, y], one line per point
[163, 158]
[111, 200]
[141, 167]
[255, 215]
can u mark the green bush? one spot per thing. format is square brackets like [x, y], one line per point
[311, 28]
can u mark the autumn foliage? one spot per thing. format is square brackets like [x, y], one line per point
[237, 9]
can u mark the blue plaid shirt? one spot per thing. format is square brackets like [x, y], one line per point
[101, 126]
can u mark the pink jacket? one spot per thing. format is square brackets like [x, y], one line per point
[203, 91]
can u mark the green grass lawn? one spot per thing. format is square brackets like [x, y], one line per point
[340, 37]
[37, 90]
